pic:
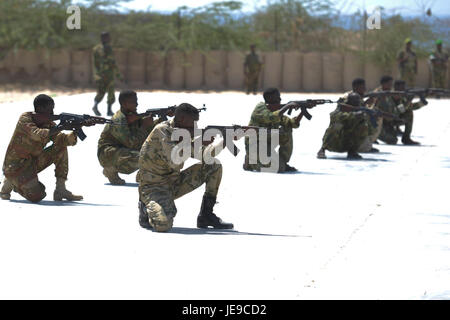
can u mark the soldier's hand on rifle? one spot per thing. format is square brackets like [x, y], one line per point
[132, 117]
[289, 106]
[298, 118]
[147, 121]
[89, 123]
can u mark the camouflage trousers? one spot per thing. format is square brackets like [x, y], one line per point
[389, 133]
[24, 177]
[159, 198]
[345, 134]
[409, 76]
[251, 82]
[374, 133]
[439, 78]
[284, 152]
[105, 86]
[123, 160]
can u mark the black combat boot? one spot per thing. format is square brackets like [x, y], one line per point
[110, 113]
[409, 142]
[353, 155]
[207, 218]
[95, 109]
[143, 216]
[321, 154]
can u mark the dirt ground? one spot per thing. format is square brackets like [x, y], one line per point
[15, 92]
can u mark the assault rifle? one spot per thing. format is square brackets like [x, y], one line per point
[304, 105]
[377, 94]
[76, 122]
[163, 112]
[436, 92]
[372, 113]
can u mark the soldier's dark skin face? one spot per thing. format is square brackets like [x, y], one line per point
[43, 114]
[253, 49]
[185, 121]
[439, 47]
[275, 104]
[387, 86]
[361, 89]
[130, 105]
[408, 46]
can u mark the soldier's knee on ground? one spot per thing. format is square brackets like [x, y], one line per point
[158, 218]
[33, 191]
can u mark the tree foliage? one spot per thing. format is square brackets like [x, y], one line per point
[303, 25]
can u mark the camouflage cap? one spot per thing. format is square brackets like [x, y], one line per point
[438, 41]
[408, 40]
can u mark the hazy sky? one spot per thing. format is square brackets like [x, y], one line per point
[347, 6]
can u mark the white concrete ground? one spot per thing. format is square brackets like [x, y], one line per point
[376, 228]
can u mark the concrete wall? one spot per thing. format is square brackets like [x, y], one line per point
[292, 72]
[195, 70]
[215, 70]
[312, 72]
[194, 66]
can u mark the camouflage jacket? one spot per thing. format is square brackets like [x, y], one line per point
[404, 104]
[337, 114]
[411, 62]
[439, 60]
[252, 63]
[263, 117]
[105, 66]
[386, 103]
[155, 160]
[131, 136]
[29, 140]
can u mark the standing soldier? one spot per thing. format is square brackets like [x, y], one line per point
[407, 63]
[105, 70]
[161, 180]
[119, 145]
[27, 155]
[438, 60]
[270, 114]
[252, 68]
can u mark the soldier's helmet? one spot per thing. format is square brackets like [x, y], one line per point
[354, 99]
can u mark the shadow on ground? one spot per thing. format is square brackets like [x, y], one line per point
[63, 203]
[196, 231]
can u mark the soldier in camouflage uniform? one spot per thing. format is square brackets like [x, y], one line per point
[162, 181]
[438, 60]
[407, 63]
[270, 114]
[105, 70]
[403, 107]
[379, 103]
[27, 155]
[348, 129]
[119, 144]
[252, 68]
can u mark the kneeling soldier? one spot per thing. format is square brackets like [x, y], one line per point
[27, 155]
[162, 181]
[119, 144]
